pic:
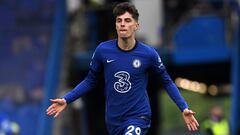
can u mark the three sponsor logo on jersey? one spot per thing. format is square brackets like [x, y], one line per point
[123, 85]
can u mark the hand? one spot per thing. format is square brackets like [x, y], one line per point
[188, 116]
[58, 105]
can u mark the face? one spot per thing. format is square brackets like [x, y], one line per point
[126, 25]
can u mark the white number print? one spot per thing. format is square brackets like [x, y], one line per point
[123, 84]
[133, 130]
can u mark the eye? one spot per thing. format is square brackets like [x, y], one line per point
[118, 20]
[128, 20]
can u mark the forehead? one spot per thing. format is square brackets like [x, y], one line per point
[125, 15]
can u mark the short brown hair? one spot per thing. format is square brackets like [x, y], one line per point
[124, 7]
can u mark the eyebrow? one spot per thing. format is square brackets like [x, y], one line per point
[124, 18]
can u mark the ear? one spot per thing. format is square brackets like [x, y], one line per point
[137, 26]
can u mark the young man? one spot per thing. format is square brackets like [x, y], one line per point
[126, 63]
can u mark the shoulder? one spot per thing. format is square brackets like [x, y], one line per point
[106, 44]
[150, 50]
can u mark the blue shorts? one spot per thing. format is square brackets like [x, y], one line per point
[132, 126]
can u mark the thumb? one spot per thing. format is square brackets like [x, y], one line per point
[188, 111]
[55, 100]
[58, 101]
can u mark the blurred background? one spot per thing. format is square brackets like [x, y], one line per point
[46, 47]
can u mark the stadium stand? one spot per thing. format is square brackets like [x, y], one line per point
[24, 38]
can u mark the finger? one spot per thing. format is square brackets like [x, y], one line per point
[56, 115]
[195, 121]
[51, 107]
[54, 100]
[58, 101]
[188, 112]
[189, 127]
[191, 112]
[194, 127]
[193, 124]
[51, 112]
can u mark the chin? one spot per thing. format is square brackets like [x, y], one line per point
[123, 36]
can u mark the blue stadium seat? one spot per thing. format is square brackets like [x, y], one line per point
[201, 39]
[28, 117]
[20, 64]
[7, 19]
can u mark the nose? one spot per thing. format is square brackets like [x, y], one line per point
[122, 24]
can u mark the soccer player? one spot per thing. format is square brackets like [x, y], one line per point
[126, 63]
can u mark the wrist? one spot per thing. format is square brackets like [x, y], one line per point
[65, 101]
[186, 109]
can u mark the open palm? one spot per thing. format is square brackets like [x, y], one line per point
[58, 105]
[192, 123]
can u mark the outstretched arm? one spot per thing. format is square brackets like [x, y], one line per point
[58, 105]
[188, 115]
[172, 90]
[191, 122]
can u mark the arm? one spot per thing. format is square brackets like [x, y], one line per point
[159, 69]
[172, 90]
[58, 105]
[87, 84]
[90, 81]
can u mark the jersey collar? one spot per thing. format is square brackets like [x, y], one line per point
[135, 46]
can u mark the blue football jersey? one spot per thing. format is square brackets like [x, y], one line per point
[125, 78]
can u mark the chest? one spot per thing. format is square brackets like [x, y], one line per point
[133, 63]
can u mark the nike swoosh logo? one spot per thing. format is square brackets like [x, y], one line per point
[109, 61]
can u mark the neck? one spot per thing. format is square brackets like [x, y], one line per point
[126, 43]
